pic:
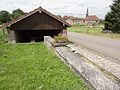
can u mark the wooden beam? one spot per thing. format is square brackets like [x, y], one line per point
[40, 11]
[4, 32]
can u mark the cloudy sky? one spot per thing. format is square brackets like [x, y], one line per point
[60, 7]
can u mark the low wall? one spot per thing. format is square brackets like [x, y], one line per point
[92, 74]
[103, 62]
[48, 41]
[94, 77]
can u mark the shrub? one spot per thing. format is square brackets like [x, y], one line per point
[60, 38]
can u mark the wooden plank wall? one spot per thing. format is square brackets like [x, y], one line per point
[38, 21]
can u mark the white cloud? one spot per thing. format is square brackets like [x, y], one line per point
[62, 7]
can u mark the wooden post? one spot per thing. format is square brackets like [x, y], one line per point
[4, 32]
[65, 32]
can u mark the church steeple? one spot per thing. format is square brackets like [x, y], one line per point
[87, 14]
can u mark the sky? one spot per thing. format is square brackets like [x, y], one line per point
[76, 8]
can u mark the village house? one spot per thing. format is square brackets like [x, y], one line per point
[34, 26]
[75, 20]
[88, 20]
[92, 20]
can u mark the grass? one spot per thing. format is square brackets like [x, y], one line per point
[33, 67]
[97, 30]
[1, 31]
[85, 29]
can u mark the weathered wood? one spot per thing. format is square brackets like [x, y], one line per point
[4, 32]
[35, 25]
[11, 37]
[38, 21]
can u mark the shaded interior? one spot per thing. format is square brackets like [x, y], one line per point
[33, 35]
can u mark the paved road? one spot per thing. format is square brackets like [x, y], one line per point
[106, 46]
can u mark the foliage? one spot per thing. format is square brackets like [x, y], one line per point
[60, 38]
[33, 67]
[1, 39]
[112, 19]
[3, 35]
[0, 22]
[4, 16]
[17, 13]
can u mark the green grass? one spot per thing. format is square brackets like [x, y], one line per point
[33, 67]
[85, 29]
[96, 30]
[1, 32]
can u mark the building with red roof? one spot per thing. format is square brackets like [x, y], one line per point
[88, 20]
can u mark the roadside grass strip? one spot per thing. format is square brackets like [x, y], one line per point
[33, 67]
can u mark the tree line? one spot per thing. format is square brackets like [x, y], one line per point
[5, 16]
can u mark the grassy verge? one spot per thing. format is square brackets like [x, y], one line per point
[33, 67]
[97, 30]
[3, 35]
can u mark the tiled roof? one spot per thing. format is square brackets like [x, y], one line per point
[92, 17]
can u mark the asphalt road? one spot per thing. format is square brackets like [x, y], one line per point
[106, 46]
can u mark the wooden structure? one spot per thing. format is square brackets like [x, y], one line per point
[35, 25]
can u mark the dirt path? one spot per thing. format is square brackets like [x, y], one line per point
[105, 46]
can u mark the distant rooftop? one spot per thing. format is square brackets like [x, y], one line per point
[92, 17]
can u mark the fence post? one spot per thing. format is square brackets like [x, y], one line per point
[3, 32]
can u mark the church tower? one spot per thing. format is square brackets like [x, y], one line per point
[87, 14]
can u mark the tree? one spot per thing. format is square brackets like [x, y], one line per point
[17, 13]
[4, 17]
[112, 19]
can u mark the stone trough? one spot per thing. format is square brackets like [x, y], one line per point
[92, 75]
